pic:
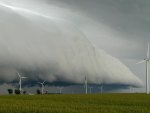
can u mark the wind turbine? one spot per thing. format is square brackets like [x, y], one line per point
[42, 84]
[60, 89]
[130, 89]
[20, 81]
[86, 85]
[101, 87]
[146, 60]
[91, 90]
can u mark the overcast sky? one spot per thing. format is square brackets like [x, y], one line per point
[119, 27]
[123, 28]
[127, 19]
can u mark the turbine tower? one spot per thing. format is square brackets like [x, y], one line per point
[42, 88]
[91, 90]
[130, 89]
[146, 60]
[101, 87]
[86, 85]
[60, 90]
[20, 81]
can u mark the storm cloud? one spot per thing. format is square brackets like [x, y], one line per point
[50, 42]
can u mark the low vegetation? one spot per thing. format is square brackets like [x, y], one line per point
[96, 103]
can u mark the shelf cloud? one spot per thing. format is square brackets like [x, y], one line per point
[43, 42]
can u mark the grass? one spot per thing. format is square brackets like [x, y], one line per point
[96, 103]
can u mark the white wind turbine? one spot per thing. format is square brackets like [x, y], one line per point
[130, 89]
[101, 88]
[60, 90]
[20, 81]
[146, 60]
[42, 84]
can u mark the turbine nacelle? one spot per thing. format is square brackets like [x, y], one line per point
[19, 76]
[147, 59]
[42, 83]
[148, 56]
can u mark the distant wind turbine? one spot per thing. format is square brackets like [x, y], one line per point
[85, 85]
[20, 81]
[130, 89]
[90, 90]
[101, 87]
[60, 89]
[42, 84]
[147, 60]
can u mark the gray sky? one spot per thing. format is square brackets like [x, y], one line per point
[128, 24]
[129, 19]
[119, 27]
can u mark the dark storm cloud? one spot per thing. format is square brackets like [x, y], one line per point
[126, 16]
[38, 40]
[130, 19]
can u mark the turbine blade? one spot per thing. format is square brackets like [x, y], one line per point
[44, 82]
[24, 77]
[19, 81]
[18, 74]
[148, 57]
[140, 62]
[40, 83]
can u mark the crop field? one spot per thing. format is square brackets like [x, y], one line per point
[95, 103]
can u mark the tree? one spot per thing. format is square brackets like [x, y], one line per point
[17, 92]
[46, 92]
[24, 92]
[38, 91]
[10, 91]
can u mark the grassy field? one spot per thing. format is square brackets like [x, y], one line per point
[98, 103]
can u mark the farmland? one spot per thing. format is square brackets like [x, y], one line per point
[95, 103]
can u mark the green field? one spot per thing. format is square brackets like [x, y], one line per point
[96, 103]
